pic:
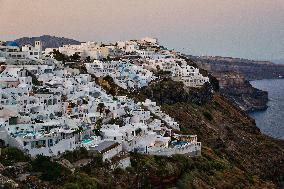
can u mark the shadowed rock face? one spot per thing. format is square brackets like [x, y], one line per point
[234, 152]
[233, 135]
[228, 131]
[233, 75]
[250, 69]
[170, 92]
[240, 91]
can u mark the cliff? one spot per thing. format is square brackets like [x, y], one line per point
[237, 89]
[229, 134]
[250, 69]
[171, 92]
[233, 75]
[234, 152]
[233, 137]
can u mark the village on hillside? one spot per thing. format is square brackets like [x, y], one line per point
[49, 105]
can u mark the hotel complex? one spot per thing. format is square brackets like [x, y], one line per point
[48, 107]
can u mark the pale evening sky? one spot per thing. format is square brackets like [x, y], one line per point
[239, 28]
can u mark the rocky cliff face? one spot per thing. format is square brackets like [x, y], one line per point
[233, 76]
[250, 69]
[234, 152]
[226, 132]
[237, 89]
[170, 92]
[233, 136]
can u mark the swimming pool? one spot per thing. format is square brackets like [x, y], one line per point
[179, 143]
[86, 141]
[23, 133]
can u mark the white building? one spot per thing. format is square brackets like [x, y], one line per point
[150, 40]
[33, 52]
[47, 108]
[11, 51]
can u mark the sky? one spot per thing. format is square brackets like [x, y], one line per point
[251, 29]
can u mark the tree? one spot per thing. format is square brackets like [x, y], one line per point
[10, 155]
[138, 131]
[158, 67]
[73, 156]
[35, 81]
[98, 127]
[50, 170]
[101, 107]
[88, 59]
[75, 57]
[107, 111]
[59, 56]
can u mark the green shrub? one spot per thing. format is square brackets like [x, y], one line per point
[81, 181]
[72, 186]
[72, 156]
[51, 171]
[11, 155]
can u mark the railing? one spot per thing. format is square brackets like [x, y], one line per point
[193, 149]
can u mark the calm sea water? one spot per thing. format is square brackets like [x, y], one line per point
[271, 121]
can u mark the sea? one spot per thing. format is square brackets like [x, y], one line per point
[271, 121]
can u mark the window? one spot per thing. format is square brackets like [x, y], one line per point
[33, 144]
[31, 53]
[114, 138]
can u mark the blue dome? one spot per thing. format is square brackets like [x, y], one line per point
[12, 43]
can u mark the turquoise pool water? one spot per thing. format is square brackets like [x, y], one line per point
[179, 143]
[23, 133]
[86, 141]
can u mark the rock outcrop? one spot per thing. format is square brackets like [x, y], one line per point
[233, 136]
[234, 152]
[224, 128]
[250, 69]
[237, 89]
[169, 92]
[234, 74]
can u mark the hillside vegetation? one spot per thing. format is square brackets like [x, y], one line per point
[234, 152]
[227, 130]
